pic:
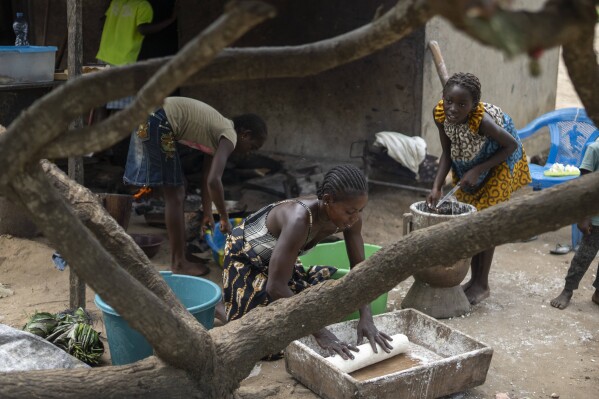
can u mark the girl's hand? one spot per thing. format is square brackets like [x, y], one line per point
[225, 226]
[207, 222]
[585, 227]
[470, 178]
[366, 328]
[433, 197]
[329, 342]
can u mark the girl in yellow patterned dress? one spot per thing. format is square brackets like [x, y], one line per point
[482, 148]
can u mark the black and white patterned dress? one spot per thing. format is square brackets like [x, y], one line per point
[248, 250]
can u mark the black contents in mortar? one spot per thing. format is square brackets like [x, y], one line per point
[447, 208]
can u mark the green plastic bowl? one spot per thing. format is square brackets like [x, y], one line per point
[335, 254]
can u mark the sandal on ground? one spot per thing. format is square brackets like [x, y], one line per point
[528, 239]
[561, 249]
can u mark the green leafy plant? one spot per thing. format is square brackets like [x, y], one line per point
[71, 332]
[41, 324]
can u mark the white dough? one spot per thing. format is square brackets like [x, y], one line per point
[366, 356]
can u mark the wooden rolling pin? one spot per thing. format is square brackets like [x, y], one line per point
[365, 357]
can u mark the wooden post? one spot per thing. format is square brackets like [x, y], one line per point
[75, 59]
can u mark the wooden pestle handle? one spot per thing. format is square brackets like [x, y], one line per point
[439, 62]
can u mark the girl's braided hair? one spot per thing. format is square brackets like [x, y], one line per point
[468, 81]
[343, 180]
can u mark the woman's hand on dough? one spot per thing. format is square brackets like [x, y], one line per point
[328, 341]
[366, 328]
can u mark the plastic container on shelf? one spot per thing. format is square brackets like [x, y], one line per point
[22, 64]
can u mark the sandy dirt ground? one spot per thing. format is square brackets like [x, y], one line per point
[538, 350]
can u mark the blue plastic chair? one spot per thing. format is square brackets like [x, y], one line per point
[571, 131]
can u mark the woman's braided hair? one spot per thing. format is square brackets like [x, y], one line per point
[343, 180]
[468, 81]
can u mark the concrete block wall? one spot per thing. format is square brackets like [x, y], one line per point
[394, 89]
[320, 116]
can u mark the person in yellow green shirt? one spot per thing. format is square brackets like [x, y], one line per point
[126, 24]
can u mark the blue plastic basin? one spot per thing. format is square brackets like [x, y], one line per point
[197, 294]
[216, 240]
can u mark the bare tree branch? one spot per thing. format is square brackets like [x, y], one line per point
[300, 315]
[241, 343]
[112, 237]
[560, 22]
[135, 303]
[38, 127]
[153, 379]
[515, 32]
[314, 58]
[581, 60]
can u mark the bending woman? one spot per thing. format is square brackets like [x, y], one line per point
[261, 261]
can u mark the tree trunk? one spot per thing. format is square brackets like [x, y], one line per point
[241, 343]
[146, 379]
[197, 363]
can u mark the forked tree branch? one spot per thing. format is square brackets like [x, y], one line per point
[556, 23]
[34, 134]
[242, 342]
[177, 342]
[295, 317]
[514, 32]
[569, 23]
[112, 236]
